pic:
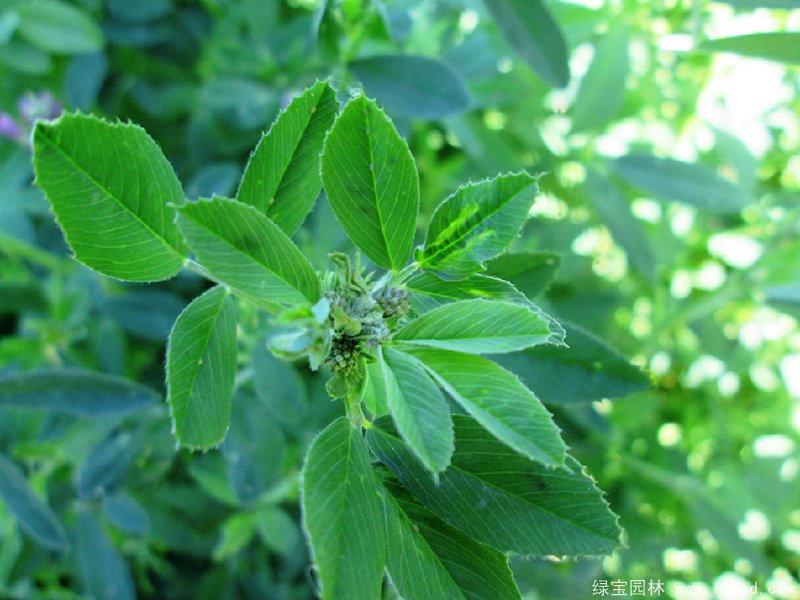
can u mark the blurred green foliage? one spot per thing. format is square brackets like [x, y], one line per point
[667, 229]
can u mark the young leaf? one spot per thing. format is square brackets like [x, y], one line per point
[534, 35]
[343, 514]
[74, 391]
[476, 223]
[34, 516]
[371, 182]
[498, 401]
[502, 499]
[243, 249]
[282, 176]
[588, 370]
[477, 326]
[428, 558]
[201, 367]
[419, 409]
[112, 191]
[416, 86]
[780, 46]
[603, 87]
[428, 290]
[680, 181]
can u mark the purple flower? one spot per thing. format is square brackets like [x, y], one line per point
[43, 105]
[10, 128]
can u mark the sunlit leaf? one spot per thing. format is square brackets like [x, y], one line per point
[201, 366]
[282, 176]
[113, 192]
[343, 514]
[371, 182]
[501, 498]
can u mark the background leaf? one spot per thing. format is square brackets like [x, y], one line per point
[34, 516]
[243, 249]
[282, 176]
[531, 31]
[681, 182]
[112, 191]
[602, 89]
[416, 86]
[74, 391]
[501, 498]
[107, 465]
[589, 369]
[279, 386]
[102, 570]
[476, 326]
[528, 272]
[343, 514]
[201, 367]
[58, 27]
[498, 400]
[615, 212]
[781, 46]
[419, 409]
[476, 223]
[371, 182]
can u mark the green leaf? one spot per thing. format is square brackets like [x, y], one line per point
[201, 368]
[534, 35]
[246, 251]
[428, 290]
[282, 176]
[415, 86]
[419, 409]
[476, 223]
[74, 391]
[254, 449]
[615, 212]
[34, 516]
[279, 386]
[502, 499]
[681, 182]
[750, 4]
[784, 297]
[429, 559]
[375, 391]
[371, 181]
[780, 46]
[602, 89]
[477, 326]
[343, 514]
[499, 402]
[102, 570]
[125, 513]
[112, 191]
[58, 27]
[107, 465]
[528, 272]
[588, 370]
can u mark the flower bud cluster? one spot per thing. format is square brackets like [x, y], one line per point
[358, 314]
[393, 301]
